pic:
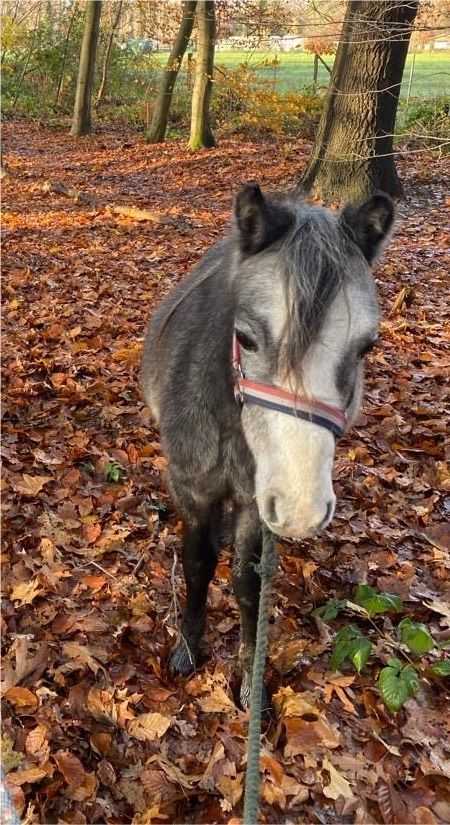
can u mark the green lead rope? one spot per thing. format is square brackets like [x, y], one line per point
[266, 570]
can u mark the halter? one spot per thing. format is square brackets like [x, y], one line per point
[274, 398]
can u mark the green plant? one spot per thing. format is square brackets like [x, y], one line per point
[113, 472]
[416, 637]
[349, 643]
[397, 681]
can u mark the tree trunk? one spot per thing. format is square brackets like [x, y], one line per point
[158, 127]
[81, 123]
[102, 88]
[66, 48]
[201, 132]
[353, 152]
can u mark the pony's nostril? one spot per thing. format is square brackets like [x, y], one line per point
[327, 516]
[271, 509]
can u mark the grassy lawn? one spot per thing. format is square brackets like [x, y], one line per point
[431, 72]
[294, 70]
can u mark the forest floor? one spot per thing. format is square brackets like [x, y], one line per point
[94, 730]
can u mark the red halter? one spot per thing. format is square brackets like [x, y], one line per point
[274, 398]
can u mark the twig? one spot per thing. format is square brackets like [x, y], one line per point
[140, 562]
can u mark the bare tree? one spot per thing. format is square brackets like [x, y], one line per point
[106, 58]
[201, 132]
[66, 48]
[81, 123]
[158, 127]
[353, 153]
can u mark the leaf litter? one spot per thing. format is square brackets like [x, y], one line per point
[93, 727]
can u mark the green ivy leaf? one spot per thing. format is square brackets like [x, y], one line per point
[416, 637]
[113, 472]
[374, 602]
[410, 677]
[360, 651]
[442, 668]
[349, 643]
[397, 684]
[330, 610]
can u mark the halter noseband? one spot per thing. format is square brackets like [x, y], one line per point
[274, 398]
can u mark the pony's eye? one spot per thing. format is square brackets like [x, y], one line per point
[367, 348]
[246, 342]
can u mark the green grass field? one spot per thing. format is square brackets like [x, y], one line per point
[431, 72]
[294, 71]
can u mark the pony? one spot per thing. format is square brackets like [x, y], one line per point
[252, 369]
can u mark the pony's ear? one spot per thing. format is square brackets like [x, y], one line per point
[259, 222]
[369, 223]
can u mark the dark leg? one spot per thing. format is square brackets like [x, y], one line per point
[247, 585]
[199, 563]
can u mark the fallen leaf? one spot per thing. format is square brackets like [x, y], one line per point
[338, 785]
[30, 485]
[21, 697]
[70, 767]
[149, 726]
[30, 775]
[26, 592]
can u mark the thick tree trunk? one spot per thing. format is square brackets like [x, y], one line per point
[81, 123]
[201, 132]
[158, 126]
[106, 59]
[353, 152]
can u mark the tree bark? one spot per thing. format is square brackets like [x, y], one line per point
[201, 132]
[353, 153]
[158, 126]
[81, 123]
[104, 79]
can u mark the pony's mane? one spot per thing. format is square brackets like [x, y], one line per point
[315, 265]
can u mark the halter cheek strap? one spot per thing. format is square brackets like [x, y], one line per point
[274, 398]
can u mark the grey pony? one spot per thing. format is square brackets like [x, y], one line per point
[278, 250]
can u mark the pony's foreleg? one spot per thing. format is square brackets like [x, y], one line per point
[247, 585]
[200, 547]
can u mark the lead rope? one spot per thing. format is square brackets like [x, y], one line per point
[266, 569]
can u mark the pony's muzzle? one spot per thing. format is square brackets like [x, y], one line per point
[306, 522]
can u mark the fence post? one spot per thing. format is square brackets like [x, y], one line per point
[411, 74]
[315, 71]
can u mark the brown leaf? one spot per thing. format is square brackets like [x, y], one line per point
[106, 773]
[30, 485]
[80, 656]
[24, 665]
[26, 592]
[36, 742]
[28, 775]
[217, 701]
[21, 697]
[288, 703]
[160, 463]
[91, 532]
[149, 726]
[70, 767]
[423, 816]
[101, 742]
[86, 791]
[338, 785]
[309, 737]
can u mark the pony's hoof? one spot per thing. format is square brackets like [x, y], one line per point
[246, 690]
[181, 660]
